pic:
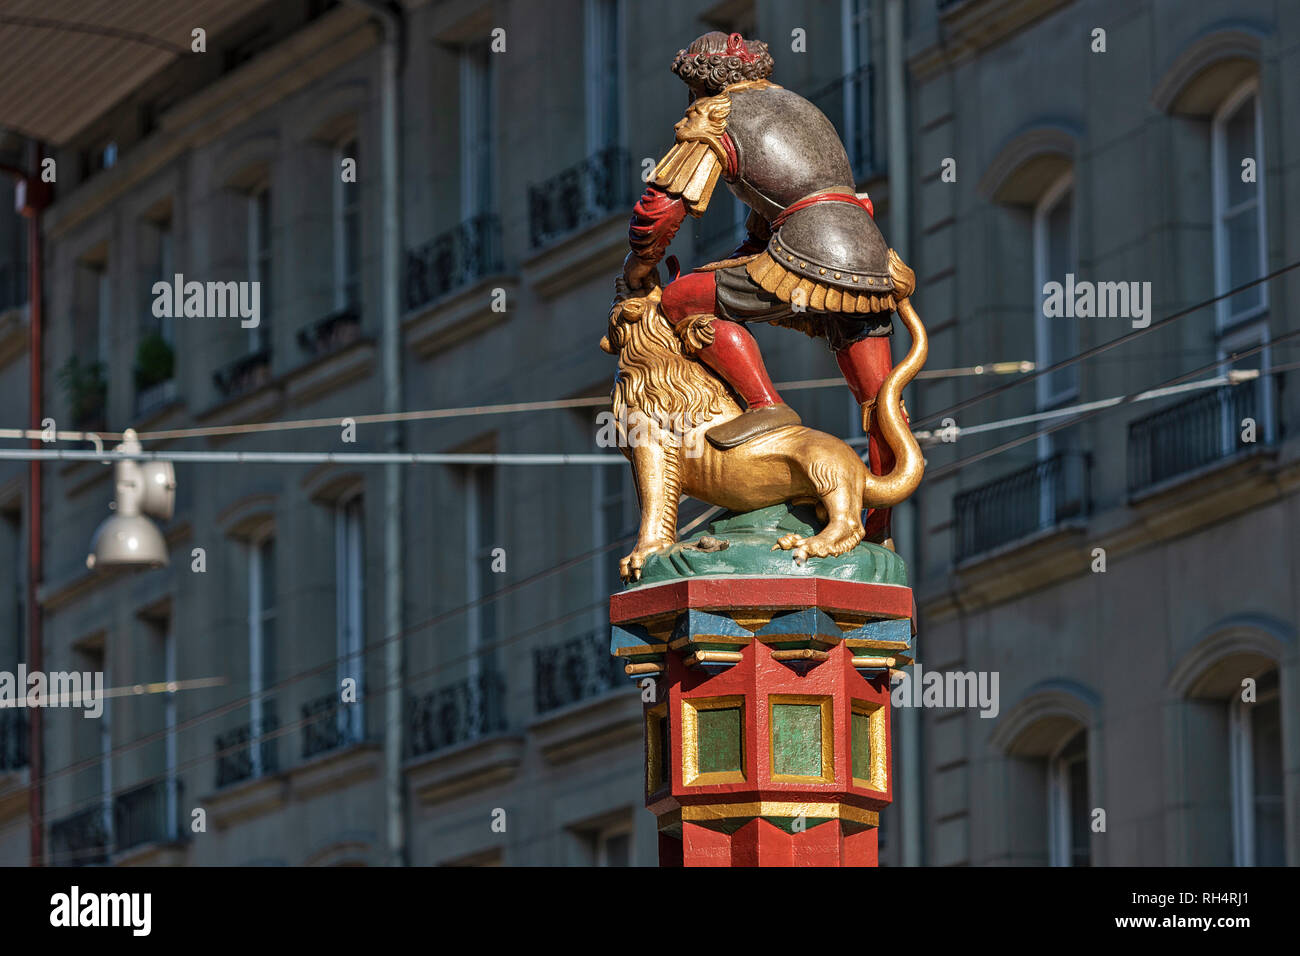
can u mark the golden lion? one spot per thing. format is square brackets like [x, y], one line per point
[672, 399]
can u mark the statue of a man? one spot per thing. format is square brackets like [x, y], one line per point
[814, 259]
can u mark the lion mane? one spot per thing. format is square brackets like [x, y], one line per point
[656, 374]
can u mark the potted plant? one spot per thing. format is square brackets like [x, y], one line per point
[155, 361]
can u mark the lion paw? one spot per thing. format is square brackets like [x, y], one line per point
[629, 569]
[828, 544]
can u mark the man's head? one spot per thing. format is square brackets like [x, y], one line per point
[717, 59]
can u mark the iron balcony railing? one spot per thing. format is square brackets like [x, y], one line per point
[590, 190]
[334, 332]
[148, 814]
[1041, 496]
[13, 740]
[1193, 433]
[236, 761]
[456, 258]
[244, 374]
[575, 670]
[81, 838]
[457, 713]
[849, 103]
[328, 724]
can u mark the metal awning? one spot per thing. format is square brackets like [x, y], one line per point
[64, 62]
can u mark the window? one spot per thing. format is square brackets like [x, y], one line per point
[1056, 339]
[604, 74]
[93, 658]
[260, 261]
[1255, 758]
[347, 232]
[1054, 258]
[1070, 814]
[350, 610]
[855, 20]
[612, 845]
[103, 315]
[480, 535]
[261, 652]
[162, 646]
[1240, 252]
[1240, 248]
[164, 272]
[477, 119]
[14, 652]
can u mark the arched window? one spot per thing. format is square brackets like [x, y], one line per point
[1069, 810]
[1227, 747]
[1255, 759]
[1046, 781]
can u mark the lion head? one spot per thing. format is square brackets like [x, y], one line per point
[656, 373]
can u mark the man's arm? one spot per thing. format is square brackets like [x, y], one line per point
[683, 182]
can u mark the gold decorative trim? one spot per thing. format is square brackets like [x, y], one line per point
[713, 657]
[727, 263]
[705, 813]
[691, 776]
[876, 734]
[636, 670]
[790, 281]
[801, 654]
[692, 167]
[874, 662]
[827, 737]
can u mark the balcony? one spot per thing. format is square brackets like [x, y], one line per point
[456, 714]
[13, 740]
[575, 671]
[454, 259]
[331, 334]
[81, 839]
[600, 185]
[1034, 499]
[1193, 434]
[148, 814]
[328, 724]
[235, 755]
[244, 374]
[849, 103]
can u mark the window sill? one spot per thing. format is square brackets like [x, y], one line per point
[474, 765]
[323, 773]
[609, 719]
[468, 311]
[593, 250]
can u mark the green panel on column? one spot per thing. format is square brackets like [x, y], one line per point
[797, 739]
[861, 746]
[719, 740]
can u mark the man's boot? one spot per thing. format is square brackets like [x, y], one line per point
[734, 355]
[865, 365]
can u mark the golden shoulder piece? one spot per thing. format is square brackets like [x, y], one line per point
[692, 167]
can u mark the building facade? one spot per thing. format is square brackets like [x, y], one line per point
[1029, 154]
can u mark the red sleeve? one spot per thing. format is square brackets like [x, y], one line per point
[655, 220]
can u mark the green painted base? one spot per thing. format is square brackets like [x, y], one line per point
[742, 544]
